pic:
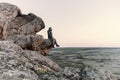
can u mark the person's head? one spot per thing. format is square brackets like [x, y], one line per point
[50, 28]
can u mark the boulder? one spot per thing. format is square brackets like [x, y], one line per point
[12, 63]
[45, 46]
[8, 12]
[13, 22]
[23, 25]
[19, 64]
[20, 28]
[30, 42]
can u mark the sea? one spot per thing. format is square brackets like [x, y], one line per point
[107, 58]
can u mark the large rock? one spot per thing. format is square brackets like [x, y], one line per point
[40, 61]
[30, 42]
[13, 22]
[8, 12]
[20, 28]
[17, 64]
[23, 25]
[12, 63]
[45, 46]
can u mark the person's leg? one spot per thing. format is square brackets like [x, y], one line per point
[56, 43]
[52, 43]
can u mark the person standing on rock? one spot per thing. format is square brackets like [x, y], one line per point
[50, 37]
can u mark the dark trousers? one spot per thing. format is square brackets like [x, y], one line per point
[52, 42]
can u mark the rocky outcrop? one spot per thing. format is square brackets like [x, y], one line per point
[7, 12]
[20, 28]
[12, 63]
[30, 42]
[19, 64]
[23, 25]
[13, 22]
[45, 47]
[22, 50]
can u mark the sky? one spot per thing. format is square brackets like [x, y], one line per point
[77, 23]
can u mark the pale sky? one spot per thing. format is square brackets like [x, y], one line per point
[77, 23]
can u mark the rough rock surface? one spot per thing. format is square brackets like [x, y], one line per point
[45, 47]
[17, 64]
[21, 49]
[20, 28]
[12, 63]
[23, 25]
[27, 42]
[8, 12]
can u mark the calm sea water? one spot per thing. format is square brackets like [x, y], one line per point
[100, 58]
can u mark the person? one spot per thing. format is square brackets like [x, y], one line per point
[50, 37]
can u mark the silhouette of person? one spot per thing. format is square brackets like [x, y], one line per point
[50, 37]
